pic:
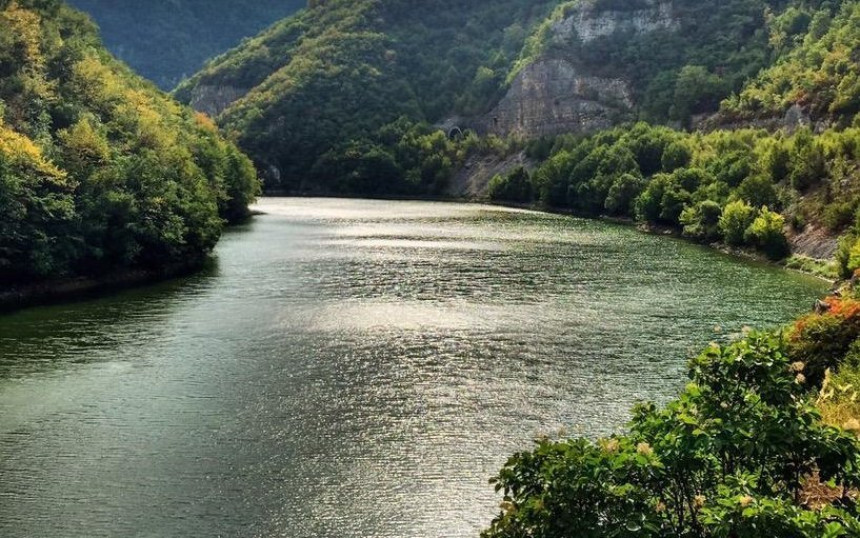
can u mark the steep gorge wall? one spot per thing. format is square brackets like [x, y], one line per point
[588, 22]
[213, 100]
[552, 96]
[555, 93]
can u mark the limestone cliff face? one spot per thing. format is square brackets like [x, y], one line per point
[588, 23]
[552, 96]
[215, 99]
[556, 93]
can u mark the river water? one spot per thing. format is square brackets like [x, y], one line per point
[352, 369]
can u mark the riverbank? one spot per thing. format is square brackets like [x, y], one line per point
[73, 289]
[807, 265]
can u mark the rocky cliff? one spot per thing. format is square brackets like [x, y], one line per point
[554, 95]
[557, 92]
[213, 99]
[588, 21]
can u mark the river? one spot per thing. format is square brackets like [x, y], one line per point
[353, 369]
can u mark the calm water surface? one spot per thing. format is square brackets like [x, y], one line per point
[352, 369]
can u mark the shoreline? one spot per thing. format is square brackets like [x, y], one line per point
[73, 289]
[666, 231]
[744, 254]
[66, 290]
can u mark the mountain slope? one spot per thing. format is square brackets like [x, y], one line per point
[338, 72]
[595, 63]
[818, 72]
[167, 40]
[99, 170]
[342, 70]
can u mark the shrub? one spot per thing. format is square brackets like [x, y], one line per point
[736, 218]
[702, 221]
[728, 458]
[821, 341]
[766, 234]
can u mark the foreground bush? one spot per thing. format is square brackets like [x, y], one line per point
[729, 458]
[823, 341]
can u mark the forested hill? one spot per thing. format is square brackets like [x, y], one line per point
[99, 170]
[166, 40]
[323, 85]
[817, 70]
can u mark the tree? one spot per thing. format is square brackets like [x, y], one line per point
[622, 195]
[514, 187]
[663, 200]
[677, 155]
[766, 234]
[696, 90]
[757, 190]
[735, 220]
[702, 221]
[808, 165]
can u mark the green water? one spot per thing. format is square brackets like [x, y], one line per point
[352, 369]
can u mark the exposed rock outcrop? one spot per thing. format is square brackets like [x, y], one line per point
[473, 179]
[588, 23]
[552, 96]
[214, 99]
[814, 242]
[795, 117]
[556, 94]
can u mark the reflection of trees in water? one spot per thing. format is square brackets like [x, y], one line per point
[42, 338]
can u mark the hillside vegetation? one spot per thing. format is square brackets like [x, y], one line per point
[817, 69]
[100, 171]
[744, 187]
[168, 40]
[323, 85]
[327, 84]
[706, 51]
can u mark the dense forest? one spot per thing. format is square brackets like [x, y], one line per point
[168, 40]
[99, 170]
[329, 85]
[323, 85]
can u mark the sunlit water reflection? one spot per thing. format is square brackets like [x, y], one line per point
[352, 369]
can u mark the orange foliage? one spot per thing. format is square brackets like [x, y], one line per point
[204, 121]
[846, 309]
